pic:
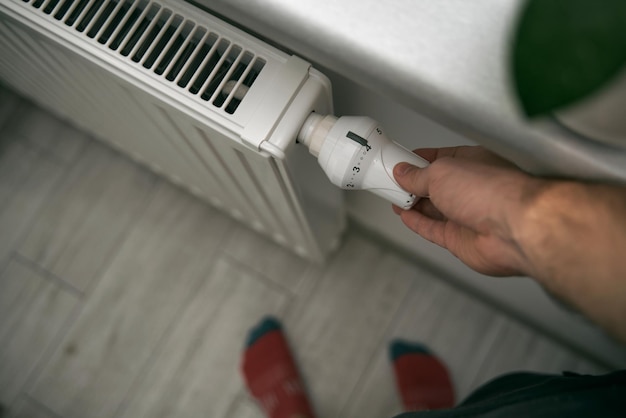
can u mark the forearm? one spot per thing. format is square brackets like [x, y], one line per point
[573, 240]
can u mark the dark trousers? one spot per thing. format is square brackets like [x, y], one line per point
[523, 395]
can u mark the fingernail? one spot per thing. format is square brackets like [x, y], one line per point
[402, 169]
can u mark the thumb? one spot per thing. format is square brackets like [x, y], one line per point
[412, 178]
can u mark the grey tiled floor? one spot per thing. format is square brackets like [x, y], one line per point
[123, 296]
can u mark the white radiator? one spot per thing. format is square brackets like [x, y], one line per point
[198, 101]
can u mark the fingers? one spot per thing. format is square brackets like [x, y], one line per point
[430, 229]
[426, 207]
[412, 179]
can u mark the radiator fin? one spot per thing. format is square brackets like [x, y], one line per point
[192, 57]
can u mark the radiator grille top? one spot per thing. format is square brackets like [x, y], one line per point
[190, 56]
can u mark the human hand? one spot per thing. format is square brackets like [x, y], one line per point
[568, 235]
[474, 199]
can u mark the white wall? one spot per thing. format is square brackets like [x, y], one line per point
[521, 296]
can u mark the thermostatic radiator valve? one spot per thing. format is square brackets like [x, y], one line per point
[355, 154]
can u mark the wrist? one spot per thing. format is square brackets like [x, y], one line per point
[523, 219]
[545, 223]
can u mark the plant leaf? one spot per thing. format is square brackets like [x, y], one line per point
[564, 50]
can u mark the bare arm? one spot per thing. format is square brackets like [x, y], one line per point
[569, 236]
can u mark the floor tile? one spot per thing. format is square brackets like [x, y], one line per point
[474, 343]
[586, 366]
[338, 327]
[246, 408]
[157, 271]
[196, 374]
[33, 310]
[83, 223]
[266, 258]
[67, 145]
[520, 348]
[26, 182]
[9, 101]
[456, 327]
[26, 408]
[46, 132]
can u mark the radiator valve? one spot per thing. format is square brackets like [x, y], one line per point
[355, 154]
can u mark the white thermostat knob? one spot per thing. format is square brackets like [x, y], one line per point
[355, 154]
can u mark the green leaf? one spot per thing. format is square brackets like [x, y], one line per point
[564, 50]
